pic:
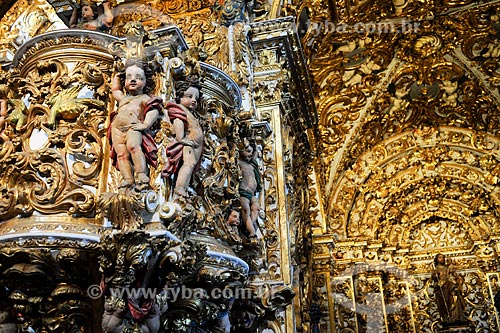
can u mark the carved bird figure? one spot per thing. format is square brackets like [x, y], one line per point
[67, 106]
[19, 113]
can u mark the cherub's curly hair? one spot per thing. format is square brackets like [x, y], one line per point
[247, 142]
[92, 5]
[182, 85]
[148, 72]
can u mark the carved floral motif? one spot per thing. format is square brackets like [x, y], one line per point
[47, 124]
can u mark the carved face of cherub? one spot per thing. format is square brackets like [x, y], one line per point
[135, 80]
[87, 13]
[190, 98]
[247, 153]
[233, 218]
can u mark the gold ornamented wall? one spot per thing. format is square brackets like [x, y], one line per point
[407, 99]
[71, 234]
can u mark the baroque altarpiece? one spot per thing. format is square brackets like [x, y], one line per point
[199, 239]
[346, 156]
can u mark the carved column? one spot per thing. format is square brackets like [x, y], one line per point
[282, 99]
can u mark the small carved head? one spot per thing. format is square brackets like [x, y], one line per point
[439, 259]
[248, 149]
[234, 218]
[188, 93]
[133, 65]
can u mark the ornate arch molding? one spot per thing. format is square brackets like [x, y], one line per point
[441, 229]
[444, 172]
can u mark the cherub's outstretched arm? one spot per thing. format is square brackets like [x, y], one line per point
[107, 20]
[116, 88]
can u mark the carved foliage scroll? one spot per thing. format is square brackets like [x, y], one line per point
[51, 145]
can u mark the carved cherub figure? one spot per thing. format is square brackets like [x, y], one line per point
[399, 100]
[250, 185]
[133, 146]
[185, 150]
[87, 17]
[4, 100]
[354, 76]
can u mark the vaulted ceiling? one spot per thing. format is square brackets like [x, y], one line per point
[408, 103]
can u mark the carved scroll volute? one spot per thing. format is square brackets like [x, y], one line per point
[52, 143]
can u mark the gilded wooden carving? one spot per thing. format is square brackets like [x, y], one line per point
[57, 97]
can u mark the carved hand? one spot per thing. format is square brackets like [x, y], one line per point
[189, 142]
[138, 127]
